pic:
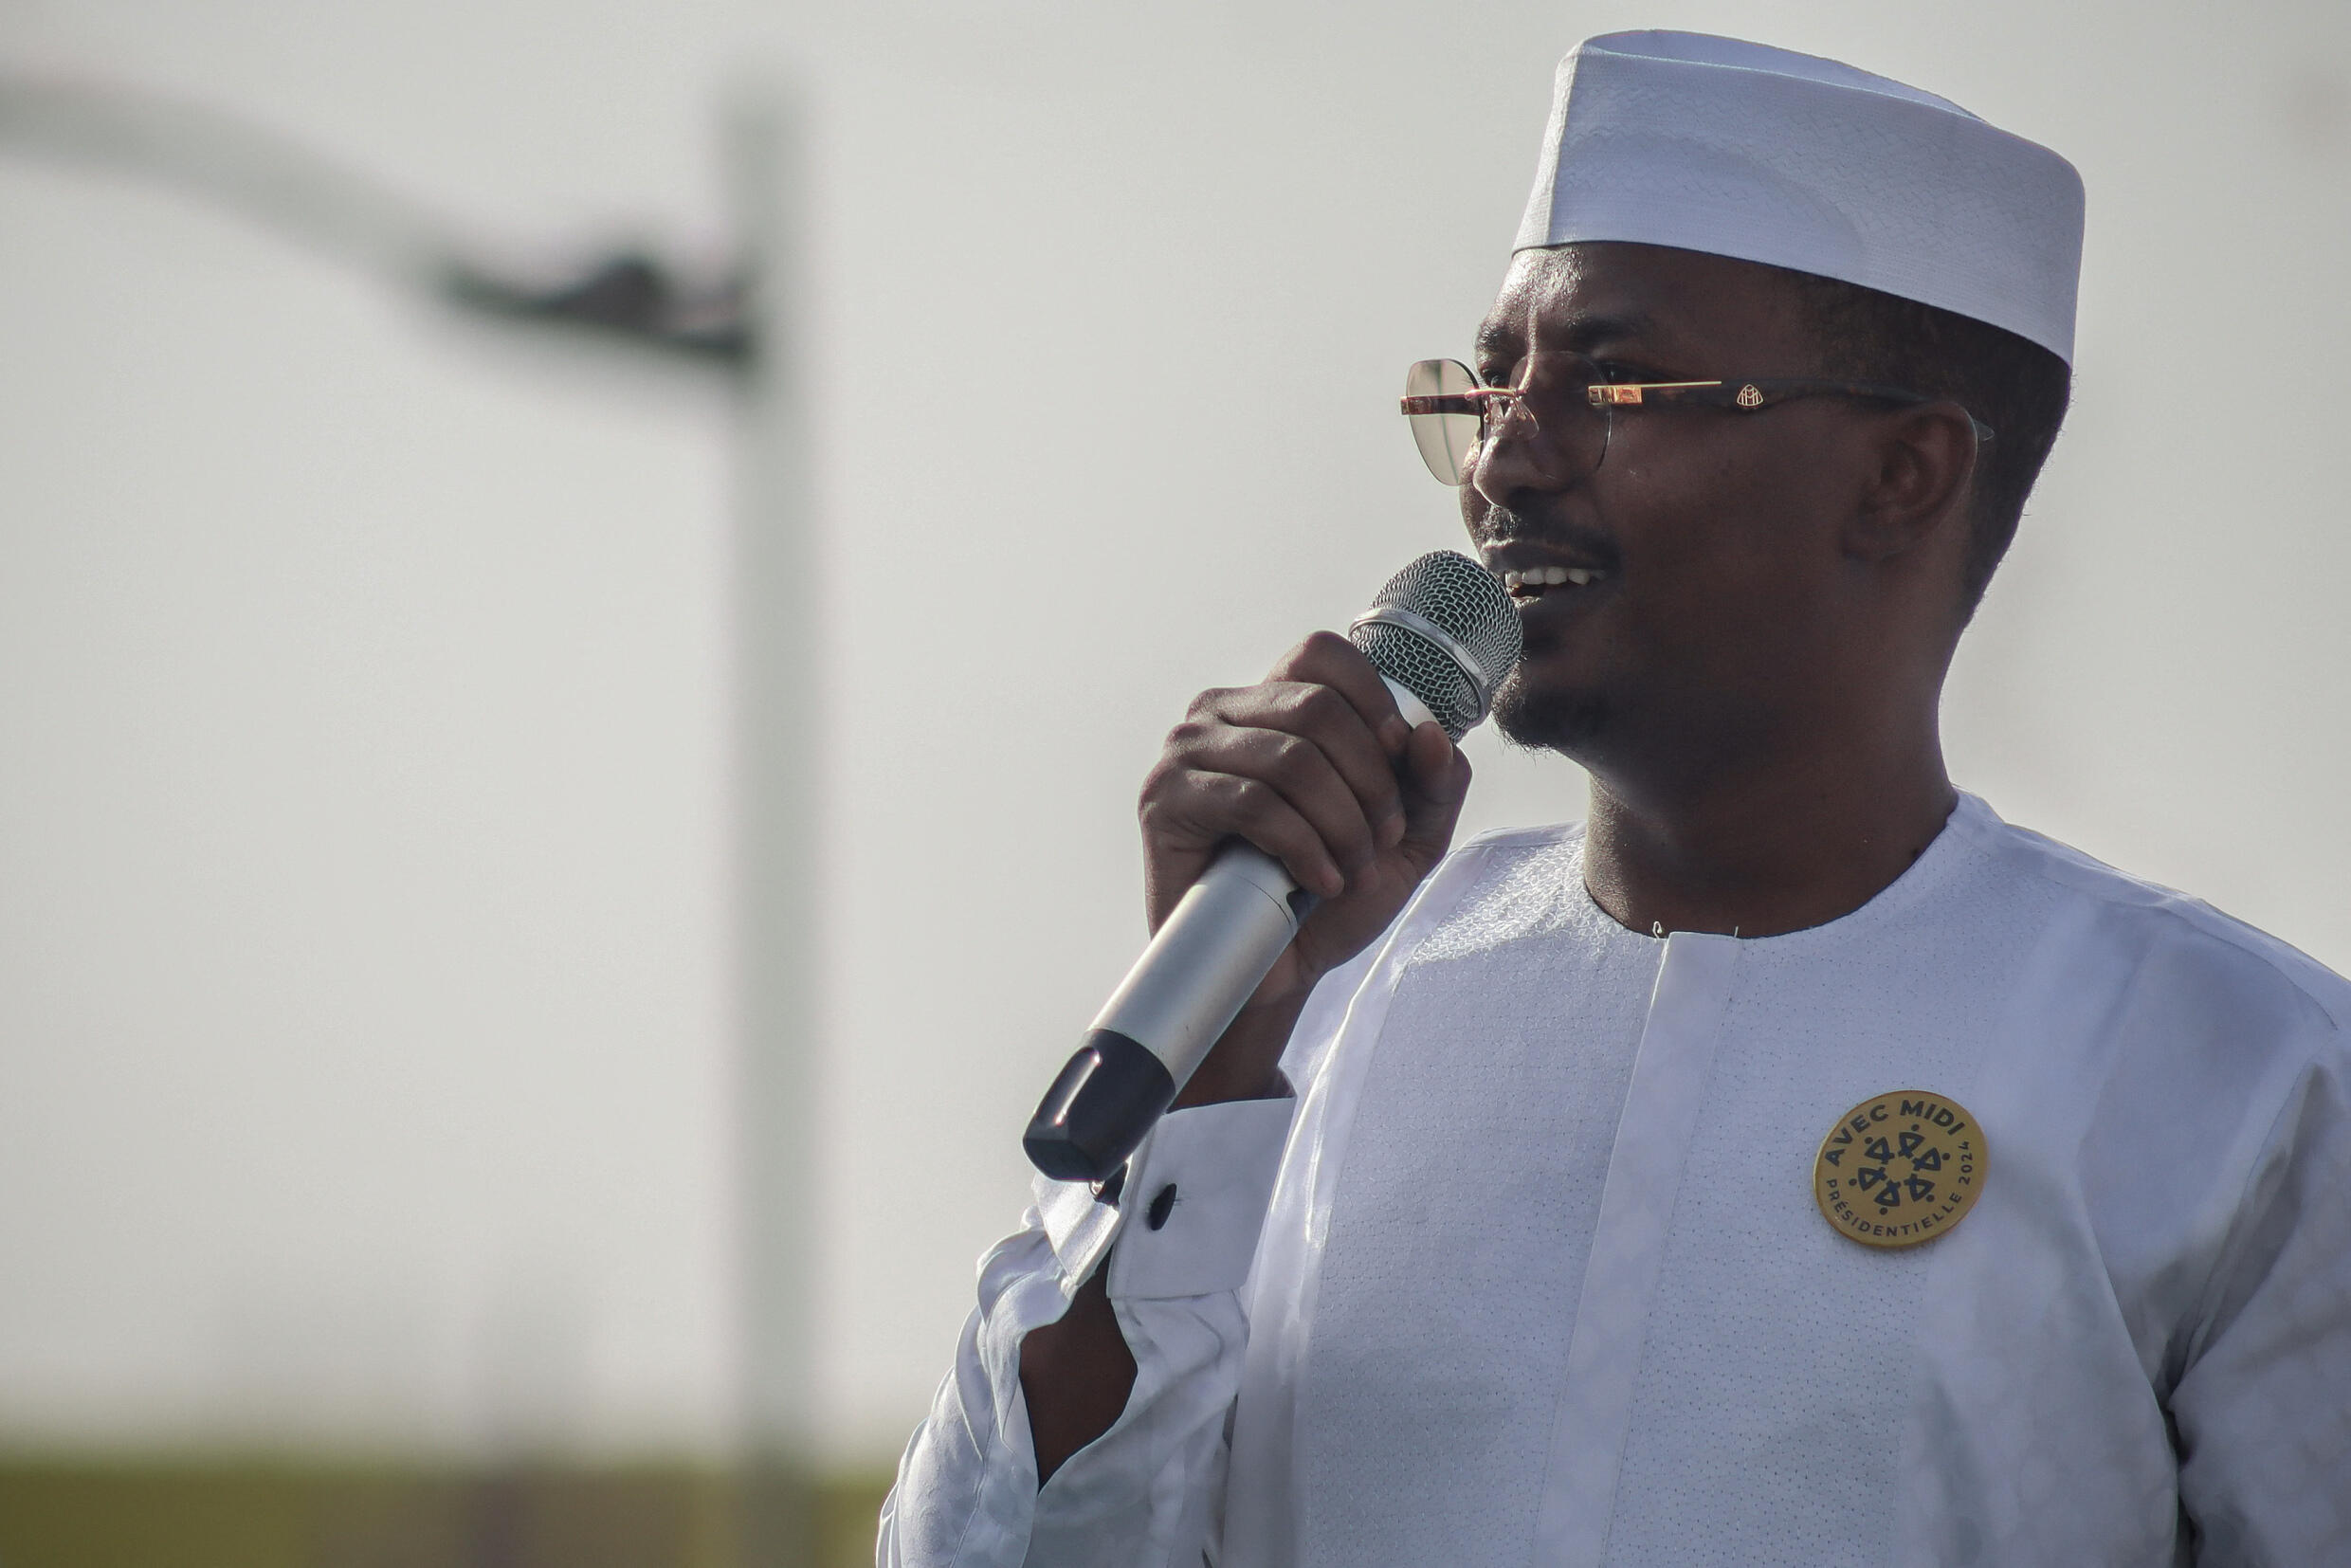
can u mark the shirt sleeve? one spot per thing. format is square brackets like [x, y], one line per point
[2262, 1411]
[1185, 1231]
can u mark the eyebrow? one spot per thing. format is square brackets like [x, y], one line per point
[1583, 332]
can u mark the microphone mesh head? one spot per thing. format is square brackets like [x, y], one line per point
[1466, 603]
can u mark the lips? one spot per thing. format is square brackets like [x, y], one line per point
[1535, 581]
[1528, 574]
[1552, 557]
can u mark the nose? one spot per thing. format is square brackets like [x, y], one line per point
[1519, 455]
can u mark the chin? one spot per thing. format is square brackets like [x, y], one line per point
[1547, 719]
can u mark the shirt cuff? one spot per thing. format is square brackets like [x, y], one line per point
[1186, 1216]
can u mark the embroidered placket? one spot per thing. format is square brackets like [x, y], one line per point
[1669, 1079]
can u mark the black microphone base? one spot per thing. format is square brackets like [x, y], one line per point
[1098, 1109]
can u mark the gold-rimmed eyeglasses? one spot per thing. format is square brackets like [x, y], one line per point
[1574, 402]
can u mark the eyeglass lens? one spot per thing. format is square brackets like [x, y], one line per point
[1554, 385]
[1446, 439]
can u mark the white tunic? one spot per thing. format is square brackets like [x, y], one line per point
[1541, 1281]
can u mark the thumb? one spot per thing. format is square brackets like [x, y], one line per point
[1435, 777]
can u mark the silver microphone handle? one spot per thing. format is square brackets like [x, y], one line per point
[1201, 967]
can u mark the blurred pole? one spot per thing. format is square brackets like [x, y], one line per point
[743, 325]
[778, 695]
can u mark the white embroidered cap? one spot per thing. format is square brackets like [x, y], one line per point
[1739, 150]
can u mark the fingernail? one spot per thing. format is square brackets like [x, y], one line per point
[1395, 733]
[1391, 829]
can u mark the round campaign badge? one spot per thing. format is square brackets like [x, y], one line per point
[1900, 1169]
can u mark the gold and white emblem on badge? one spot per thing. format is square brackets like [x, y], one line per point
[1900, 1169]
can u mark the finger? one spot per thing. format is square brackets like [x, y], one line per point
[1324, 716]
[1437, 779]
[1327, 659]
[1254, 810]
[1304, 775]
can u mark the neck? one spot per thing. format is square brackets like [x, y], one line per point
[1785, 846]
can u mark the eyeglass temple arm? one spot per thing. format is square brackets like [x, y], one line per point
[1751, 395]
[1448, 402]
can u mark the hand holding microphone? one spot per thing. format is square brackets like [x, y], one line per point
[1338, 778]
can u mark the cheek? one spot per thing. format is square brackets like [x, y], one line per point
[1726, 553]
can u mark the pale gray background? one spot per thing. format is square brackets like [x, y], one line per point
[365, 997]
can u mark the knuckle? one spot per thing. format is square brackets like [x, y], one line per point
[1298, 659]
[1169, 788]
[1327, 703]
[1166, 768]
[1317, 707]
[1207, 705]
[1323, 646]
[1291, 758]
[1159, 821]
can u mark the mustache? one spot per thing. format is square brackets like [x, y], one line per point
[1502, 525]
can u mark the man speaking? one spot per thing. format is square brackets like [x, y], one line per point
[1792, 1164]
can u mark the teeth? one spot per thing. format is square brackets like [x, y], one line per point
[1549, 577]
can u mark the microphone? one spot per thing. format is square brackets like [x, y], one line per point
[1442, 634]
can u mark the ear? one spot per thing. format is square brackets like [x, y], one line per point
[1922, 482]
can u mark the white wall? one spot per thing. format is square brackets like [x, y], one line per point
[363, 988]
